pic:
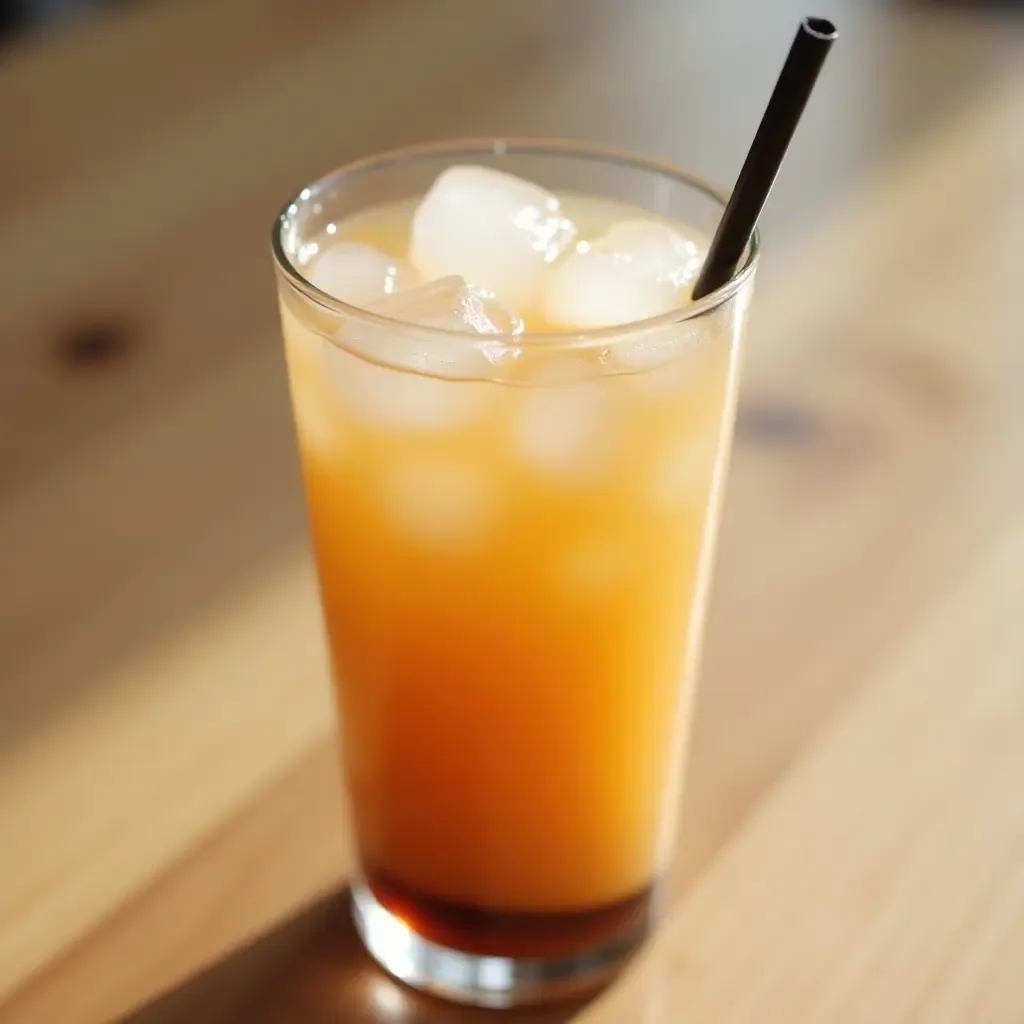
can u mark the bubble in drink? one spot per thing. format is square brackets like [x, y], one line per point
[637, 270]
[359, 274]
[497, 231]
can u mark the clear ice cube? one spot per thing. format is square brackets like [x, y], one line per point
[360, 274]
[637, 270]
[452, 304]
[654, 249]
[409, 379]
[496, 230]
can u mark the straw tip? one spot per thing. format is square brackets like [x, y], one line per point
[820, 28]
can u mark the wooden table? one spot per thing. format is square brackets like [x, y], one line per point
[854, 823]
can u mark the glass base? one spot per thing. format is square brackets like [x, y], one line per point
[483, 980]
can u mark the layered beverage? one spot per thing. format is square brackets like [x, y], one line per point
[513, 427]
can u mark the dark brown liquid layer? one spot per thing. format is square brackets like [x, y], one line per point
[476, 929]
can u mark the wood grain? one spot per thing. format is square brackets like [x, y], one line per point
[166, 767]
[886, 887]
[278, 854]
[894, 843]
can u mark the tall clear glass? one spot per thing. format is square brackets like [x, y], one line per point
[514, 539]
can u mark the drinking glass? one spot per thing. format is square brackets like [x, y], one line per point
[514, 537]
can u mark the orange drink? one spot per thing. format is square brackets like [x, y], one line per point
[513, 430]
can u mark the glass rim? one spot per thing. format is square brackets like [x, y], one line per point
[540, 147]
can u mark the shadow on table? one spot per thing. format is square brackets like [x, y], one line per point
[313, 970]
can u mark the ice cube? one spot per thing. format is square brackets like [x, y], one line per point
[653, 249]
[662, 358]
[399, 378]
[392, 399]
[496, 230]
[453, 304]
[360, 274]
[439, 503]
[565, 430]
[314, 412]
[318, 423]
[637, 270]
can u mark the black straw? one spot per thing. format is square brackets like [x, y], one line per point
[813, 40]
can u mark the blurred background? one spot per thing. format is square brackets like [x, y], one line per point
[640, 74]
[157, 616]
